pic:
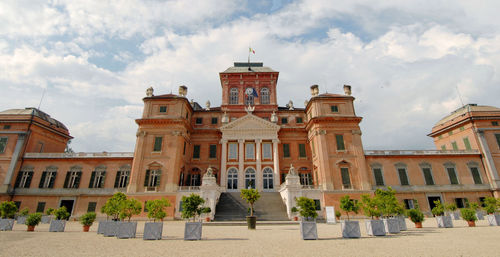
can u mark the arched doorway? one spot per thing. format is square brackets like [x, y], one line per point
[267, 175]
[250, 178]
[232, 179]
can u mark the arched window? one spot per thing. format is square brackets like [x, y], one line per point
[232, 179]
[267, 175]
[264, 95]
[250, 178]
[233, 96]
[194, 177]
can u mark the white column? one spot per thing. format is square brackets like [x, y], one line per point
[276, 164]
[223, 174]
[258, 165]
[241, 172]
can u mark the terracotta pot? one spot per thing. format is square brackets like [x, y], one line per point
[207, 219]
[418, 224]
[31, 228]
[471, 223]
[86, 228]
[295, 218]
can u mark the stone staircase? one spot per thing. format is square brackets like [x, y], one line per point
[269, 207]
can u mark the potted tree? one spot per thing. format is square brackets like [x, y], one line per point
[438, 211]
[8, 210]
[128, 208]
[112, 209]
[338, 214]
[156, 211]
[294, 212]
[374, 227]
[47, 217]
[87, 220]
[416, 216]
[469, 215]
[388, 205]
[350, 228]
[307, 210]
[251, 196]
[23, 214]
[452, 210]
[59, 223]
[491, 207]
[192, 207]
[477, 208]
[33, 220]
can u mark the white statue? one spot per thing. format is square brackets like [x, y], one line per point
[292, 171]
[225, 118]
[306, 102]
[274, 118]
[290, 105]
[250, 108]
[207, 105]
[210, 172]
[149, 92]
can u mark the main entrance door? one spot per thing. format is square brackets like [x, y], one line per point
[250, 178]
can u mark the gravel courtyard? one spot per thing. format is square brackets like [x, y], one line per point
[269, 240]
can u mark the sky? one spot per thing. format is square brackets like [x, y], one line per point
[93, 60]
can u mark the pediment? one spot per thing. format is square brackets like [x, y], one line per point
[250, 122]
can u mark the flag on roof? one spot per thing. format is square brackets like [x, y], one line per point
[251, 50]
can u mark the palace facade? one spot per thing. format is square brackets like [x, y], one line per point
[248, 141]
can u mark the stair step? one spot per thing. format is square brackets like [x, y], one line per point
[269, 207]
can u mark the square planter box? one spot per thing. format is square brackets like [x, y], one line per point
[6, 224]
[153, 231]
[402, 223]
[494, 219]
[444, 222]
[391, 225]
[192, 231]
[21, 219]
[126, 230]
[308, 230]
[57, 225]
[46, 219]
[480, 215]
[350, 229]
[375, 228]
[110, 228]
[455, 215]
[101, 226]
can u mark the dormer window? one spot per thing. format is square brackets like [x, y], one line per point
[163, 109]
[199, 121]
[334, 108]
[284, 121]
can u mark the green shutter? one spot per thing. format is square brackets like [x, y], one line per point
[92, 178]
[453, 176]
[3, 144]
[340, 142]
[157, 146]
[346, 180]
[475, 175]
[117, 179]
[53, 179]
[77, 179]
[302, 150]
[146, 179]
[403, 178]
[158, 178]
[467, 143]
[428, 176]
[18, 178]
[379, 179]
[28, 179]
[196, 151]
[498, 139]
[454, 145]
[66, 180]
[443, 147]
[42, 179]
[286, 150]
[213, 151]
[103, 178]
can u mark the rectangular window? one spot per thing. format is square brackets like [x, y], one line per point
[462, 128]
[97, 179]
[233, 151]
[467, 143]
[284, 120]
[18, 204]
[379, 178]
[72, 179]
[340, 142]
[152, 178]
[403, 177]
[443, 147]
[475, 175]
[306, 179]
[3, 144]
[196, 152]
[334, 108]
[24, 179]
[460, 202]
[199, 121]
[91, 207]
[409, 204]
[163, 108]
[346, 180]
[454, 145]
[47, 179]
[428, 176]
[266, 151]
[302, 150]
[158, 142]
[249, 151]
[317, 203]
[214, 120]
[6, 127]
[121, 179]
[286, 150]
[213, 152]
[299, 120]
[498, 139]
[184, 149]
[440, 136]
[452, 175]
[40, 207]
[493, 123]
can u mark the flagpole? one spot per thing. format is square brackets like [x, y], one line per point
[249, 48]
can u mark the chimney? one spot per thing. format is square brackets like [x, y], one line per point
[314, 90]
[347, 89]
[183, 90]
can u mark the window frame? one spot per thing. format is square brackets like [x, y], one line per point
[196, 152]
[334, 108]
[286, 150]
[378, 167]
[345, 186]
[158, 144]
[250, 150]
[402, 166]
[284, 120]
[474, 165]
[340, 143]
[264, 155]
[198, 121]
[3, 145]
[265, 96]
[302, 149]
[162, 109]
[450, 165]
[427, 166]
[212, 151]
[299, 120]
[215, 121]
[233, 95]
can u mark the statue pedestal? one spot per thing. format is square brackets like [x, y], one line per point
[290, 191]
[210, 191]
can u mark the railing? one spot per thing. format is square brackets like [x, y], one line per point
[189, 188]
[80, 155]
[310, 187]
[420, 152]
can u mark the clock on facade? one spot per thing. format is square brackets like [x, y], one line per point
[249, 91]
